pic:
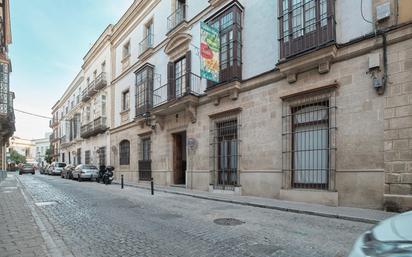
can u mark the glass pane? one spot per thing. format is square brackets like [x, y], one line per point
[297, 17]
[310, 15]
[323, 13]
[311, 154]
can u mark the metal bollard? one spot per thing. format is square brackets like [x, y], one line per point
[151, 186]
[121, 180]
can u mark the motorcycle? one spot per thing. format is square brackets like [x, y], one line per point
[105, 175]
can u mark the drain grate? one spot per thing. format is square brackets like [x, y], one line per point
[45, 203]
[228, 222]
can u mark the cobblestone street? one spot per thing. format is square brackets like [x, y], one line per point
[90, 219]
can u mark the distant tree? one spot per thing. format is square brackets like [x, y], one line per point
[16, 157]
[48, 157]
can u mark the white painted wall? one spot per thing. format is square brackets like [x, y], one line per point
[350, 24]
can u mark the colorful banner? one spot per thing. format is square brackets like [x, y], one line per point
[209, 52]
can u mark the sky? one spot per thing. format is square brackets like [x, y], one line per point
[50, 39]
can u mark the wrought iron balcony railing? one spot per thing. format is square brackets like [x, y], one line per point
[100, 81]
[146, 43]
[187, 84]
[94, 127]
[176, 18]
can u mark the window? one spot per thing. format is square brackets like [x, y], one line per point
[149, 29]
[79, 156]
[145, 162]
[88, 114]
[126, 50]
[178, 16]
[229, 24]
[144, 89]
[87, 157]
[225, 148]
[180, 77]
[94, 74]
[124, 153]
[102, 156]
[146, 149]
[104, 66]
[305, 24]
[308, 140]
[125, 100]
[103, 105]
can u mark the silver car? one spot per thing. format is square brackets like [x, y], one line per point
[56, 168]
[390, 238]
[85, 171]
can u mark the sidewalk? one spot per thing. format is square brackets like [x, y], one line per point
[346, 213]
[19, 233]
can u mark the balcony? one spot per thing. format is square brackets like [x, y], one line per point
[318, 29]
[145, 45]
[53, 138]
[185, 85]
[180, 94]
[100, 81]
[85, 95]
[176, 18]
[95, 127]
[91, 90]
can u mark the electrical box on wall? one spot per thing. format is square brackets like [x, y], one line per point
[383, 11]
[374, 61]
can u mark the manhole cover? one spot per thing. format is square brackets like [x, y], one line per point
[9, 188]
[228, 222]
[45, 203]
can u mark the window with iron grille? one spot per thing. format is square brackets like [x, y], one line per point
[79, 156]
[145, 161]
[225, 152]
[102, 156]
[308, 141]
[87, 157]
[304, 25]
[229, 24]
[124, 153]
[144, 89]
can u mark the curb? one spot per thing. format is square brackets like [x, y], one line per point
[279, 208]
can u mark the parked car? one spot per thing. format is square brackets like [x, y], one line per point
[391, 237]
[67, 172]
[56, 168]
[85, 171]
[26, 168]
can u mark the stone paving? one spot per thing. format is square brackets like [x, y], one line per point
[19, 233]
[347, 213]
[91, 219]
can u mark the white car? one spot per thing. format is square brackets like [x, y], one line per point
[85, 171]
[390, 238]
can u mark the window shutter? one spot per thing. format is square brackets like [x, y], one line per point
[188, 58]
[171, 88]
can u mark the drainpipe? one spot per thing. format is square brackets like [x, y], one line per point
[382, 90]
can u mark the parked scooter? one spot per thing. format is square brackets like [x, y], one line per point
[105, 174]
[108, 175]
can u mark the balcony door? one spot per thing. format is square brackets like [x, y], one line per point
[180, 81]
[179, 77]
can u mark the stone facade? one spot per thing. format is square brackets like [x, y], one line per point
[369, 130]
[398, 127]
